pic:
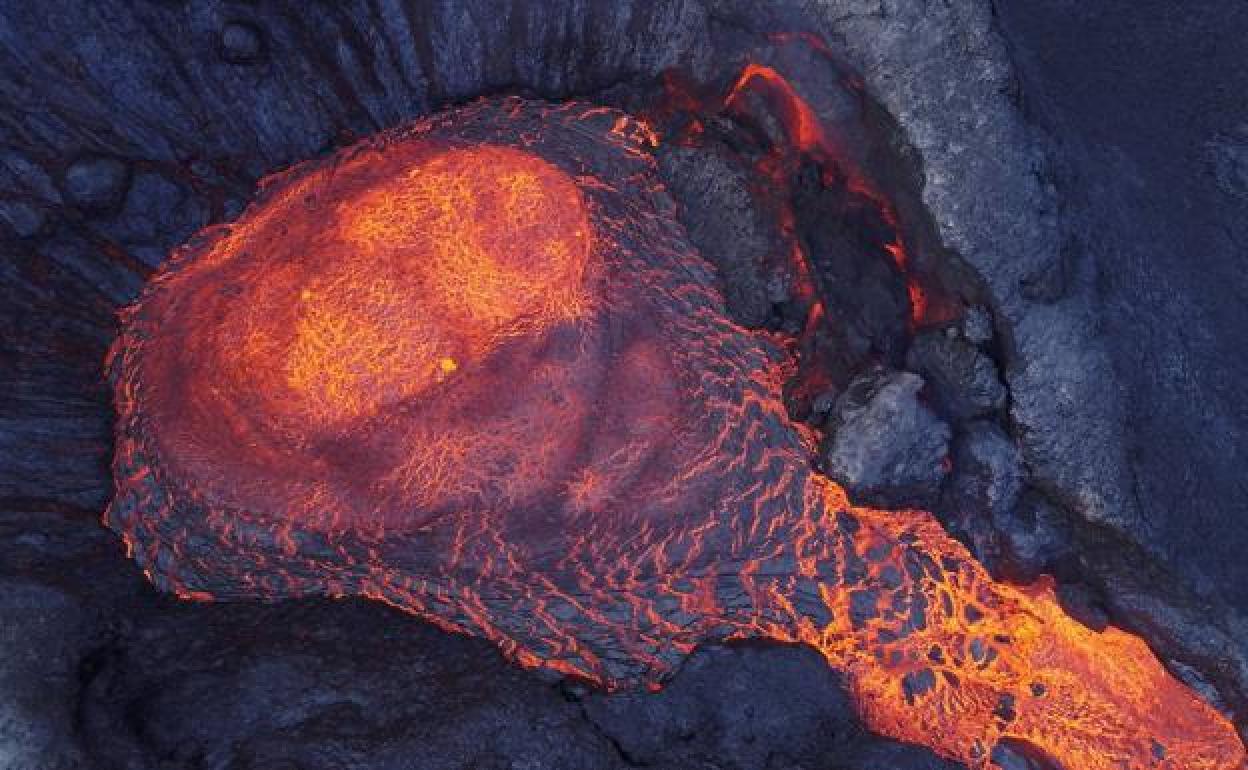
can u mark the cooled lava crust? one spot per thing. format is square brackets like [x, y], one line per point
[473, 368]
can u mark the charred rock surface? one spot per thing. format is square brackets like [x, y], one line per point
[964, 380]
[1155, 216]
[884, 445]
[128, 125]
[727, 227]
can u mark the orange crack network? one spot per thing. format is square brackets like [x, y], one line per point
[472, 368]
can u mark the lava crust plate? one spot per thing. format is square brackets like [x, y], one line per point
[472, 367]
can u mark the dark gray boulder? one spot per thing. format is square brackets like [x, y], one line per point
[976, 326]
[1032, 537]
[96, 184]
[984, 488]
[884, 445]
[241, 43]
[988, 471]
[964, 381]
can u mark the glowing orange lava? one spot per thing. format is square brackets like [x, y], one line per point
[473, 369]
[809, 138]
[493, 240]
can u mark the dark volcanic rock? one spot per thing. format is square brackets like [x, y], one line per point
[1082, 604]
[988, 473]
[45, 634]
[734, 707]
[241, 43]
[323, 685]
[330, 685]
[1228, 154]
[862, 289]
[1154, 199]
[977, 326]
[20, 172]
[884, 445]
[963, 380]
[993, 201]
[711, 186]
[96, 184]
[1032, 537]
[749, 706]
[159, 213]
[22, 218]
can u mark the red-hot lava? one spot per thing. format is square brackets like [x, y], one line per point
[473, 369]
[808, 139]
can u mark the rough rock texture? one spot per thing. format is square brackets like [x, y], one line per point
[964, 381]
[884, 446]
[45, 635]
[989, 472]
[22, 218]
[795, 719]
[96, 184]
[1229, 155]
[1032, 538]
[210, 95]
[726, 226]
[158, 214]
[856, 278]
[977, 326]
[980, 502]
[241, 43]
[943, 71]
[1155, 208]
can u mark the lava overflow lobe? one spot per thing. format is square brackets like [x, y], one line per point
[472, 368]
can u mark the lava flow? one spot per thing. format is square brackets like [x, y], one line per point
[808, 139]
[473, 369]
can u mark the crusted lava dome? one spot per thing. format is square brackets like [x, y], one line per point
[472, 368]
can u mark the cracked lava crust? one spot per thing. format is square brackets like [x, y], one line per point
[472, 368]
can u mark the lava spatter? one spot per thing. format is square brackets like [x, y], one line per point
[472, 368]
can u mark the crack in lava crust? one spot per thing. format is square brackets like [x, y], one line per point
[473, 369]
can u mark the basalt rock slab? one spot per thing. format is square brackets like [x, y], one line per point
[884, 444]
[964, 381]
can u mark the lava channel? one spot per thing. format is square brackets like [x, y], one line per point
[472, 368]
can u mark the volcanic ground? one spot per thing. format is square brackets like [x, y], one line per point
[473, 367]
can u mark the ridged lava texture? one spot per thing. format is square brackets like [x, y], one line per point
[472, 368]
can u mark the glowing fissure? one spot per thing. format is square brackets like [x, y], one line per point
[472, 368]
[807, 139]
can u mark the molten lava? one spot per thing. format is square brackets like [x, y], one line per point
[473, 369]
[809, 139]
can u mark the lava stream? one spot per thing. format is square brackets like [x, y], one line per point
[472, 368]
